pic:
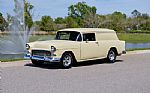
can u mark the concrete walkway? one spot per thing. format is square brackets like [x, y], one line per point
[16, 63]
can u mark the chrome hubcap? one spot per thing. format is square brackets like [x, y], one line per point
[67, 60]
[112, 55]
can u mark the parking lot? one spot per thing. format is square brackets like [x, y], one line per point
[130, 74]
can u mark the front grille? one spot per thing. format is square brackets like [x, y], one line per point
[42, 53]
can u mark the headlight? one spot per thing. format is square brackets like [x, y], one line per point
[53, 49]
[27, 46]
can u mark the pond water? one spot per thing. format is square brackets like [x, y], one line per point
[11, 56]
[137, 45]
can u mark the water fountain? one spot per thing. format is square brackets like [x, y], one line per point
[12, 46]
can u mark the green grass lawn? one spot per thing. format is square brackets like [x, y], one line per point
[12, 60]
[128, 37]
[41, 37]
[134, 37]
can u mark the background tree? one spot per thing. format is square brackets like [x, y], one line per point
[118, 21]
[60, 23]
[9, 18]
[81, 9]
[28, 14]
[82, 13]
[135, 13]
[3, 23]
[136, 19]
[59, 20]
[71, 23]
[47, 24]
[145, 22]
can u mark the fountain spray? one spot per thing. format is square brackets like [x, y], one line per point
[14, 43]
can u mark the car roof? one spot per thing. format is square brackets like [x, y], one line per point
[89, 30]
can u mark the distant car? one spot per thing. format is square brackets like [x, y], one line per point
[77, 45]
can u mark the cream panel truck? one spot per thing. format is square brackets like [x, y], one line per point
[77, 45]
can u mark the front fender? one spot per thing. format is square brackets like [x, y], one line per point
[75, 51]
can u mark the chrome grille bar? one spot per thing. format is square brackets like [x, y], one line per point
[42, 53]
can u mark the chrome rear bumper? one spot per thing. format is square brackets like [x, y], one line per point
[123, 52]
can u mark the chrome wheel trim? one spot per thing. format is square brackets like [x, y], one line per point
[111, 56]
[67, 60]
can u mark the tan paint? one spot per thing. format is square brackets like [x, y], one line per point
[105, 39]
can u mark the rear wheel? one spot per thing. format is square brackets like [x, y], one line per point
[111, 57]
[66, 60]
[37, 62]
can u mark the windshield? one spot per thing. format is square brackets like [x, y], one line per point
[68, 35]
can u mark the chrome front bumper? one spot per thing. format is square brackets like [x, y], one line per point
[41, 58]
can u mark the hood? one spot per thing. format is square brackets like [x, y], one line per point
[46, 45]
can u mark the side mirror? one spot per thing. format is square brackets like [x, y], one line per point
[87, 40]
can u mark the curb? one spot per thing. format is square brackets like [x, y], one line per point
[138, 52]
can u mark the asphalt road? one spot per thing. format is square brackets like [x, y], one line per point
[130, 74]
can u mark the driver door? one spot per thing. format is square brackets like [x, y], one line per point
[89, 47]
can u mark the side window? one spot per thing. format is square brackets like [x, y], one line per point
[89, 37]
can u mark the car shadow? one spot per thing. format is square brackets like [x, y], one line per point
[45, 66]
[95, 62]
[80, 64]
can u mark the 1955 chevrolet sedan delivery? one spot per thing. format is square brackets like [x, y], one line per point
[77, 45]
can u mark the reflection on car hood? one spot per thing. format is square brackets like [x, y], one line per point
[46, 45]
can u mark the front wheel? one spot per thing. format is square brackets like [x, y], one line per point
[111, 57]
[66, 60]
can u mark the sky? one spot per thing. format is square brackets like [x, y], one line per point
[59, 8]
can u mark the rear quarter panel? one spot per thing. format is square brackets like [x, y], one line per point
[106, 45]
